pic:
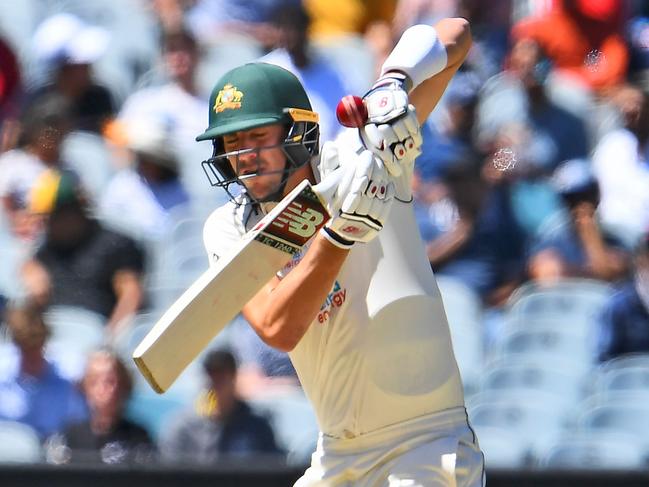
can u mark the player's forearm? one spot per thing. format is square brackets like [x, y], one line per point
[455, 35]
[283, 310]
[447, 245]
[129, 299]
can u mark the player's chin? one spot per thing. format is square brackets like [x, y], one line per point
[261, 187]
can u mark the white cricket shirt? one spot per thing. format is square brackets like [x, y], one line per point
[379, 351]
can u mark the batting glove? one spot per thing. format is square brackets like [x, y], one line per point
[393, 131]
[359, 195]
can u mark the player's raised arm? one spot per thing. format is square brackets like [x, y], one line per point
[413, 79]
[455, 35]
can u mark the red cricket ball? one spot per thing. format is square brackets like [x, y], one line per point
[351, 111]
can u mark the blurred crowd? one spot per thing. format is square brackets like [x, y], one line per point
[535, 169]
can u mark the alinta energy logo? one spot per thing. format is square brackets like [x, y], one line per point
[335, 299]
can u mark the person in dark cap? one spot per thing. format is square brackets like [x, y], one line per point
[80, 263]
[624, 321]
[576, 245]
[221, 425]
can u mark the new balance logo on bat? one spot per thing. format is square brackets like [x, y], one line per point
[299, 220]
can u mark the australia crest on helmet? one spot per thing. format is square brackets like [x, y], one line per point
[229, 98]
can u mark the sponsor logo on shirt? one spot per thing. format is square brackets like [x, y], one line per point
[335, 299]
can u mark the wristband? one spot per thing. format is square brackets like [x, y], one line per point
[335, 239]
[402, 80]
[419, 54]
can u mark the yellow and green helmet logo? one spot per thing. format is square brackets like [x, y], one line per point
[254, 95]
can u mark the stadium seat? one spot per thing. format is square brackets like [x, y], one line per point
[461, 303]
[12, 254]
[543, 345]
[19, 443]
[126, 341]
[527, 413]
[626, 379]
[464, 312]
[161, 295]
[529, 376]
[502, 447]
[77, 328]
[626, 412]
[230, 51]
[592, 450]
[189, 228]
[569, 304]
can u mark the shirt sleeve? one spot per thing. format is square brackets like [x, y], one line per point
[222, 232]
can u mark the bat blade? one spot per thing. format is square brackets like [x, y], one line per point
[220, 293]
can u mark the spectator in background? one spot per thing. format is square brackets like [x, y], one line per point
[490, 26]
[517, 121]
[344, 18]
[621, 166]
[450, 132]
[574, 244]
[79, 262]
[222, 426]
[483, 246]
[323, 83]
[213, 19]
[106, 436]
[137, 199]
[516, 101]
[624, 323]
[176, 106]
[583, 39]
[262, 370]
[175, 103]
[44, 127]
[637, 35]
[33, 392]
[68, 47]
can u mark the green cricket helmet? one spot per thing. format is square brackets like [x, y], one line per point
[255, 95]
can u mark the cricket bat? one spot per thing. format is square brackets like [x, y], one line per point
[219, 294]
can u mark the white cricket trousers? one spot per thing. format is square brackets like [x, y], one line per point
[436, 450]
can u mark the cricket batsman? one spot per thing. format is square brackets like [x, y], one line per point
[358, 310]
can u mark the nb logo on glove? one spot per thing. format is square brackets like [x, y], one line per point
[392, 132]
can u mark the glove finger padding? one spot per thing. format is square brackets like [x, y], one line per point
[374, 139]
[366, 204]
[381, 207]
[397, 143]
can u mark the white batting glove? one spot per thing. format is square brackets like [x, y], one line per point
[392, 132]
[359, 195]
